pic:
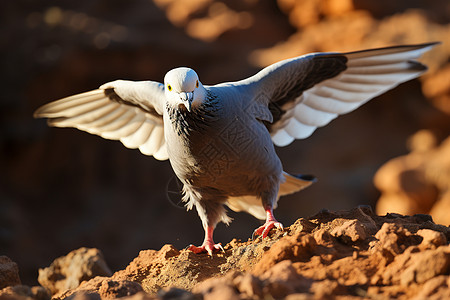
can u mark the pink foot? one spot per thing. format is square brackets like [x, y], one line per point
[271, 222]
[265, 229]
[208, 247]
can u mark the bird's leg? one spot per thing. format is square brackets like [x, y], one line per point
[210, 213]
[270, 223]
[208, 244]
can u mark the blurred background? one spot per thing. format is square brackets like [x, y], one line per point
[61, 189]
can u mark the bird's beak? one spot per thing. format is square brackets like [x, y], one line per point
[186, 98]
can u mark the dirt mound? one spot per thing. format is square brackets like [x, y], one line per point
[348, 254]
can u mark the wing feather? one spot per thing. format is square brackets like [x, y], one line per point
[103, 121]
[282, 138]
[87, 117]
[312, 117]
[311, 90]
[387, 55]
[327, 104]
[298, 129]
[128, 128]
[342, 95]
[120, 110]
[140, 136]
[154, 141]
[119, 122]
[162, 153]
[384, 79]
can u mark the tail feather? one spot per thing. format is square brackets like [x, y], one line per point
[253, 205]
[295, 183]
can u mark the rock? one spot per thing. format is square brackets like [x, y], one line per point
[432, 238]
[102, 288]
[309, 12]
[422, 141]
[145, 296]
[427, 265]
[249, 285]
[415, 267]
[435, 288]
[437, 88]
[299, 296]
[393, 240]
[118, 289]
[169, 267]
[350, 231]
[177, 294]
[302, 225]
[402, 180]
[440, 209]
[9, 272]
[86, 290]
[417, 182]
[326, 289]
[217, 288]
[23, 292]
[298, 247]
[69, 271]
[86, 296]
[282, 279]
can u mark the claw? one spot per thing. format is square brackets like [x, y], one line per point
[208, 247]
[220, 247]
[265, 229]
[254, 234]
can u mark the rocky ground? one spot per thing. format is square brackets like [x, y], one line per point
[63, 189]
[351, 254]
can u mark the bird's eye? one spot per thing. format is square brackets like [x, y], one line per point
[196, 84]
[169, 87]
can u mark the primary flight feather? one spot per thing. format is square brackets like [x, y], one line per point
[220, 139]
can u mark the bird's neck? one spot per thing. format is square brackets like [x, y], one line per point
[199, 119]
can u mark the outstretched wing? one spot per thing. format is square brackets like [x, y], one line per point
[309, 91]
[120, 110]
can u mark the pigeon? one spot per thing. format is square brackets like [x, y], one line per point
[220, 139]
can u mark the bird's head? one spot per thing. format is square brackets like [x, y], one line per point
[183, 88]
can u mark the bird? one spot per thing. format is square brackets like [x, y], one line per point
[221, 139]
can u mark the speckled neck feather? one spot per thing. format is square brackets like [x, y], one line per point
[198, 119]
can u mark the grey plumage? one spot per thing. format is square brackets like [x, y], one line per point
[220, 139]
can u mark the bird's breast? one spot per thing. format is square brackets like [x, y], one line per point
[213, 152]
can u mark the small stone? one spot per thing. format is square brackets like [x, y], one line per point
[426, 265]
[67, 272]
[117, 289]
[282, 280]
[249, 285]
[393, 239]
[350, 231]
[24, 292]
[431, 286]
[327, 289]
[432, 238]
[168, 251]
[177, 294]
[86, 296]
[9, 272]
[217, 289]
